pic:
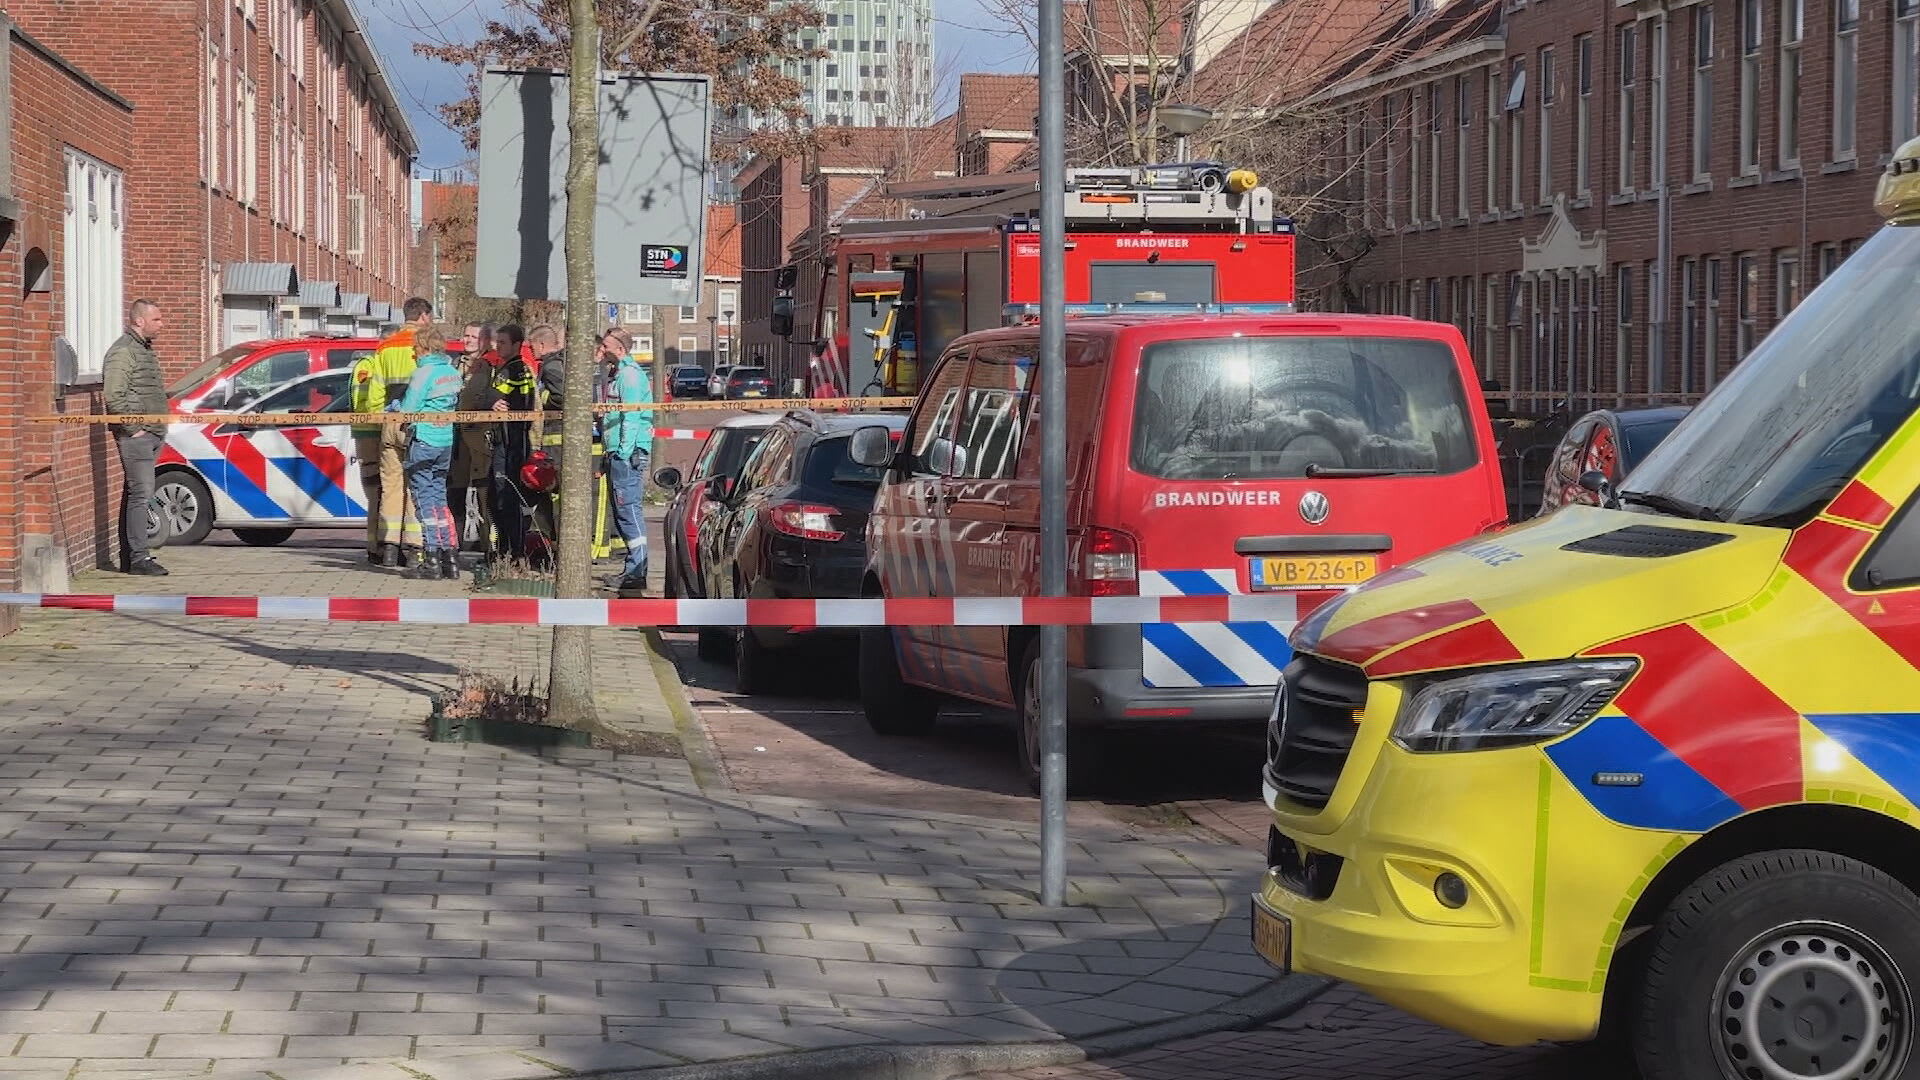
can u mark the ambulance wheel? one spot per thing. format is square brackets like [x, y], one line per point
[1086, 752]
[893, 706]
[183, 501]
[263, 537]
[1782, 965]
[755, 667]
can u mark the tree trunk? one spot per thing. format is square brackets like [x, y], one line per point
[570, 680]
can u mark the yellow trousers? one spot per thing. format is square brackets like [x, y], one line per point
[391, 518]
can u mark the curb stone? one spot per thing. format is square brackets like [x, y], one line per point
[709, 773]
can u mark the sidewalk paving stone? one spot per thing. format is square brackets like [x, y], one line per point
[229, 851]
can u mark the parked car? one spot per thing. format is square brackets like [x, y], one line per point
[688, 381]
[748, 382]
[724, 452]
[793, 527]
[231, 378]
[717, 382]
[263, 482]
[1206, 455]
[1608, 441]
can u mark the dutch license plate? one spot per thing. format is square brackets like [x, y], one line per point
[1313, 571]
[1272, 937]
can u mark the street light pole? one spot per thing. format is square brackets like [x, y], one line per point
[1053, 452]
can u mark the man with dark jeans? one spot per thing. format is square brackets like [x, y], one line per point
[134, 386]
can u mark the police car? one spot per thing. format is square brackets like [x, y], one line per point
[263, 482]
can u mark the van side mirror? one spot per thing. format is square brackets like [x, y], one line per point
[871, 446]
[668, 479]
[1596, 481]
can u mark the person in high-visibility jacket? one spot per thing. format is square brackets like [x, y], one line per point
[380, 378]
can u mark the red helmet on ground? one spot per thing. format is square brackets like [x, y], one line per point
[538, 474]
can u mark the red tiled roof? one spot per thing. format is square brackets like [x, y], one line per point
[997, 102]
[902, 153]
[723, 241]
[1291, 50]
[441, 202]
[1126, 27]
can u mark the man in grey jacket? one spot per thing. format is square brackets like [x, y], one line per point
[134, 386]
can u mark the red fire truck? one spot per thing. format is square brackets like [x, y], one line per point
[1180, 238]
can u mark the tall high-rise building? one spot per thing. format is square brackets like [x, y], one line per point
[878, 68]
[876, 71]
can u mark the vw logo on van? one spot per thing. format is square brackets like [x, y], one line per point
[1313, 508]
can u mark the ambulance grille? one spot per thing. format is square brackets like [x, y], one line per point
[1647, 542]
[1310, 736]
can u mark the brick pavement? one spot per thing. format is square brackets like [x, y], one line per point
[226, 849]
[1341, 1035]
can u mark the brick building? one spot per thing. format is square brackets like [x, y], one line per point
[1512, 167]
[69, 142]
[772, 212]
[271, 194]
[994, 119]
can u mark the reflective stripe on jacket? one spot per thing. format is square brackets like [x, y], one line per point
[382, 377]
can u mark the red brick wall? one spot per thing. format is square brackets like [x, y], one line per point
[159, 62]
[56, 481]
[1801, 210]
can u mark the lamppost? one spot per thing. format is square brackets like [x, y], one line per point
[713, 343]
[1183, 120]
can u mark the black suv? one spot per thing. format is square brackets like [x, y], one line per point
[793, 527]
[689, 381]
[748, 382]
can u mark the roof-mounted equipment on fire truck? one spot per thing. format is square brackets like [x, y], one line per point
[1193, 196]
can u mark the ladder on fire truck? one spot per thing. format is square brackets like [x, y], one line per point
[1185, 197]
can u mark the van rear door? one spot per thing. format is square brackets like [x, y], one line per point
[1303, 458]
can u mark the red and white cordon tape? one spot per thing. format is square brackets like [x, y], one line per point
[519, 611]
[681, 433]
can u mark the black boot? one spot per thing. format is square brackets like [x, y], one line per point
[449, 570]
[427, 569]
[390, 556]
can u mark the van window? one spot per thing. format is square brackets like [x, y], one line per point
[1270, 407]
[931, 435]
[993, 417]
[828, 464]
[272, 370]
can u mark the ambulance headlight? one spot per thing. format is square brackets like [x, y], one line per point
[1508, 706]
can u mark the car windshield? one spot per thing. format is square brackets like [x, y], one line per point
[1805, 410]
[324, 393]
[1300, 405]
[207, 369]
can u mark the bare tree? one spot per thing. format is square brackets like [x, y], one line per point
[751, 48]
[570, 677]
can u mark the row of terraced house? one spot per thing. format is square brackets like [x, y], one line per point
[245, 163]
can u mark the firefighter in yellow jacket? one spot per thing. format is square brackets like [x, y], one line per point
[379, 378]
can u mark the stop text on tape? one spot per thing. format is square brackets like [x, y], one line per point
[310, 419]
[1283, 607]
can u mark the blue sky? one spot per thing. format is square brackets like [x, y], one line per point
[966, 39]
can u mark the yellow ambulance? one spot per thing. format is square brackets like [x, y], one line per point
[1655, 762]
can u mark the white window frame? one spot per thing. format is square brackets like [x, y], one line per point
[1622, 327]
[1710, 292]
[93, 265]
[636, 313]
[1583, 119]
[1846, 79]
[1689, 321]
[1433, 151]
[1746, 292]
[1627, 64]
[1793, 25]
[689, 313]
[1905, 113]
[1752, 40]
[688, 345]
[1788, 284]
[1463, 145]
[1517, 134]
[250, 143]
[1702, 141]
[728, 301]
[356, 225]
[1496, 80]
[1544, 94]
[1657, 45]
